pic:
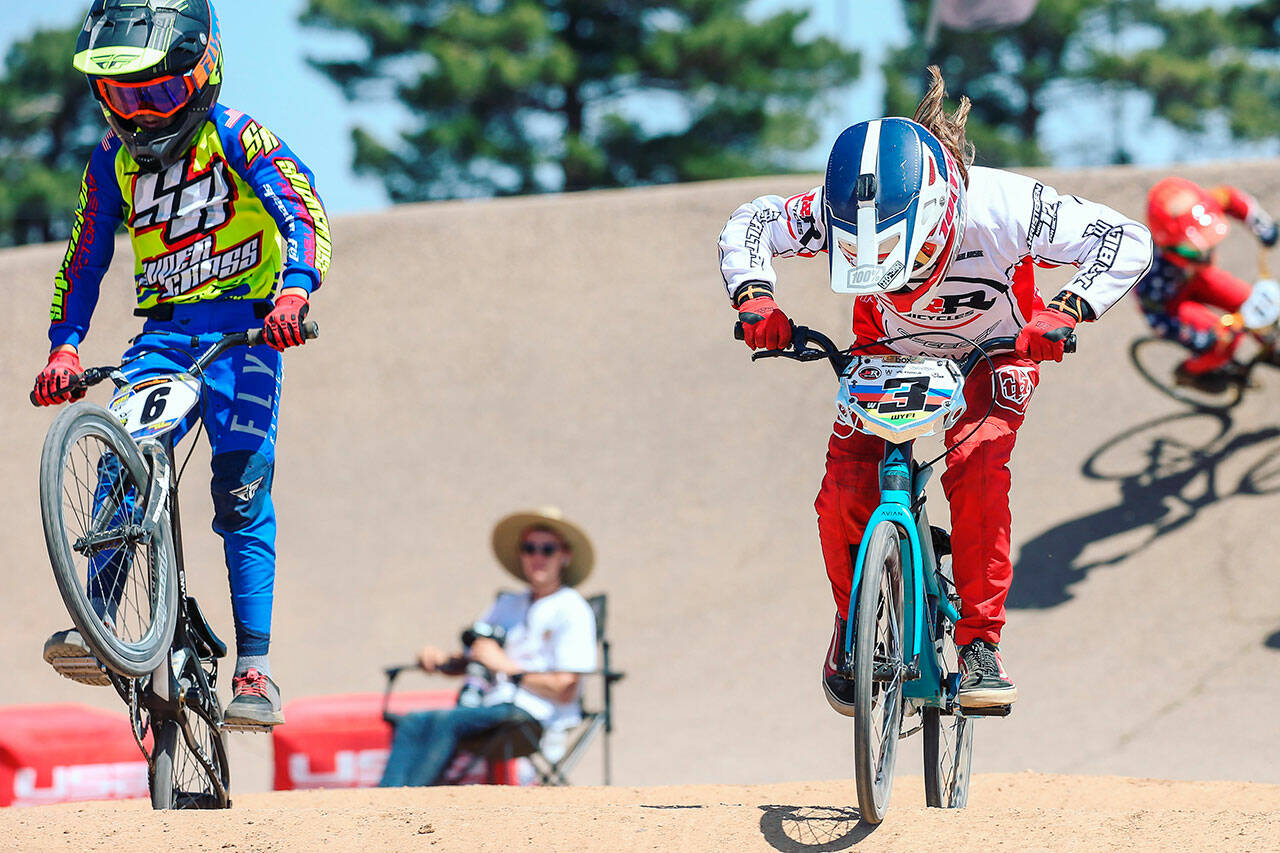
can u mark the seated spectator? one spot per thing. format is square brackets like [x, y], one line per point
[533, 677]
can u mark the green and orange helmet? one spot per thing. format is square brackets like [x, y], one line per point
[155, 66]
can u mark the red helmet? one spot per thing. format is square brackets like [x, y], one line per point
[1185, 220]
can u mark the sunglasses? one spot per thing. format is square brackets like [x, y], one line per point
[546, 549]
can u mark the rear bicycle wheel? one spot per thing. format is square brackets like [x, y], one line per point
[1156, 359]
[878, 666]
[948, 737]
[118, 582]
[189, 768]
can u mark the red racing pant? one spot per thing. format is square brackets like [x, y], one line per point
[976, 484]
[1199, 306]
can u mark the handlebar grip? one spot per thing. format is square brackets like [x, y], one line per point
[1069, 345]
[738, 333]
[310, 330]
[32, 397]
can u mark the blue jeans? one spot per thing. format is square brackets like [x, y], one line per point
[426, 741]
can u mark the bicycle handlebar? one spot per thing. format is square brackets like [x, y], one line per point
[802, 337]
[250, 337]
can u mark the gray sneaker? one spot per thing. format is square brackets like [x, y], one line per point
[70, 656]
[255, 705]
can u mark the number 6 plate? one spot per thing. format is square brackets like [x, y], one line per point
[155, 406]
[900, 397]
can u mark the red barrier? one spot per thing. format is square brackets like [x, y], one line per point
[343, 742]
[66, 753]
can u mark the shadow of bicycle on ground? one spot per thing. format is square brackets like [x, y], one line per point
[812, 829]
[1168, 470]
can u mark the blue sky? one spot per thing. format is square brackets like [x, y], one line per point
[267, 77]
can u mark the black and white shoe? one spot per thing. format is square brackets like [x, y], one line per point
[255, 705]
[836, 681]
[70, 656]
[983, 680]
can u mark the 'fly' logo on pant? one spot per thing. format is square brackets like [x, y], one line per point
[248, 490]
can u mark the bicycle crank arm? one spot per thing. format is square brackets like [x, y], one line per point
[887, 670]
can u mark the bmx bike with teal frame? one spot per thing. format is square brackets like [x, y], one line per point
[903, 603]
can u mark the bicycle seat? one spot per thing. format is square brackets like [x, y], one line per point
[206, 642]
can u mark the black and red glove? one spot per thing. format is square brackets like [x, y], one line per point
[283, 326]
[1044, 338]
[764, 326]
[56, 383]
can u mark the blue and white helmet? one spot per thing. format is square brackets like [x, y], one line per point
[894, 208]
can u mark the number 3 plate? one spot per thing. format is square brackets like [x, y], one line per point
[155, 406]
[900, 397]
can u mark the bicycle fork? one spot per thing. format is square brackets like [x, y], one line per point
[897, 492]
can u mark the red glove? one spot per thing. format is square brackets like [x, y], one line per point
[54, 384]
[764, 326]
[1044, 338]
[283, 326]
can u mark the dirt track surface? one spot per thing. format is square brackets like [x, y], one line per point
[478, 357]
[1023, 811]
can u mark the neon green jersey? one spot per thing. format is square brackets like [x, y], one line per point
[234, 218]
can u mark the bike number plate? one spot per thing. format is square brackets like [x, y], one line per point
[154, 406]
[900, 397]
[1262, 308]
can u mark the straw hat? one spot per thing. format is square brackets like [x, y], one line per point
[506, 542]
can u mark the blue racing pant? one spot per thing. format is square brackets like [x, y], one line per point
[239, 406]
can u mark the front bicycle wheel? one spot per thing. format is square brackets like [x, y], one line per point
[1157, 360]
[118, 581]
[878, 668]
[189, 768]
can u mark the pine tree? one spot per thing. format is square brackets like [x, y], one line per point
[515, 96]
[1198, 67]
[49, 123]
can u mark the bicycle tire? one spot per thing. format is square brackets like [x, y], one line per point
[879, 605]
[181, 779]
[133, 642]
[1155, 359]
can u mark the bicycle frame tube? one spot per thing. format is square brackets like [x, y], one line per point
[896, 494]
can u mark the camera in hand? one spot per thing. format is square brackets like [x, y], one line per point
[478, 677]
[483, 629]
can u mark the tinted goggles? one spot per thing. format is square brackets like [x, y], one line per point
[161, 97]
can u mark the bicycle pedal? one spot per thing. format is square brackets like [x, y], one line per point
[989, 711]
[248, 728]
[83, 670]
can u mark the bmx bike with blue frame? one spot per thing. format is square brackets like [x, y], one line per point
[903, 603]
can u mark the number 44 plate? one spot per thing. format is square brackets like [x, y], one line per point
[899, 397]
[154, 406]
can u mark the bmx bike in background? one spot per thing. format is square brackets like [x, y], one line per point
[903, 603]
[1258, 320]
[109, 503]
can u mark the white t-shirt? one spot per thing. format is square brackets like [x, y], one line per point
[553, 634]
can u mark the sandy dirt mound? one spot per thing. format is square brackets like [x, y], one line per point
[478, 357]
[1007, 812]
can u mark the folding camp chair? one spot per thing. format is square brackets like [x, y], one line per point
[554, 753]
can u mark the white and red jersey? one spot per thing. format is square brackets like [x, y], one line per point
[1014, 224]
